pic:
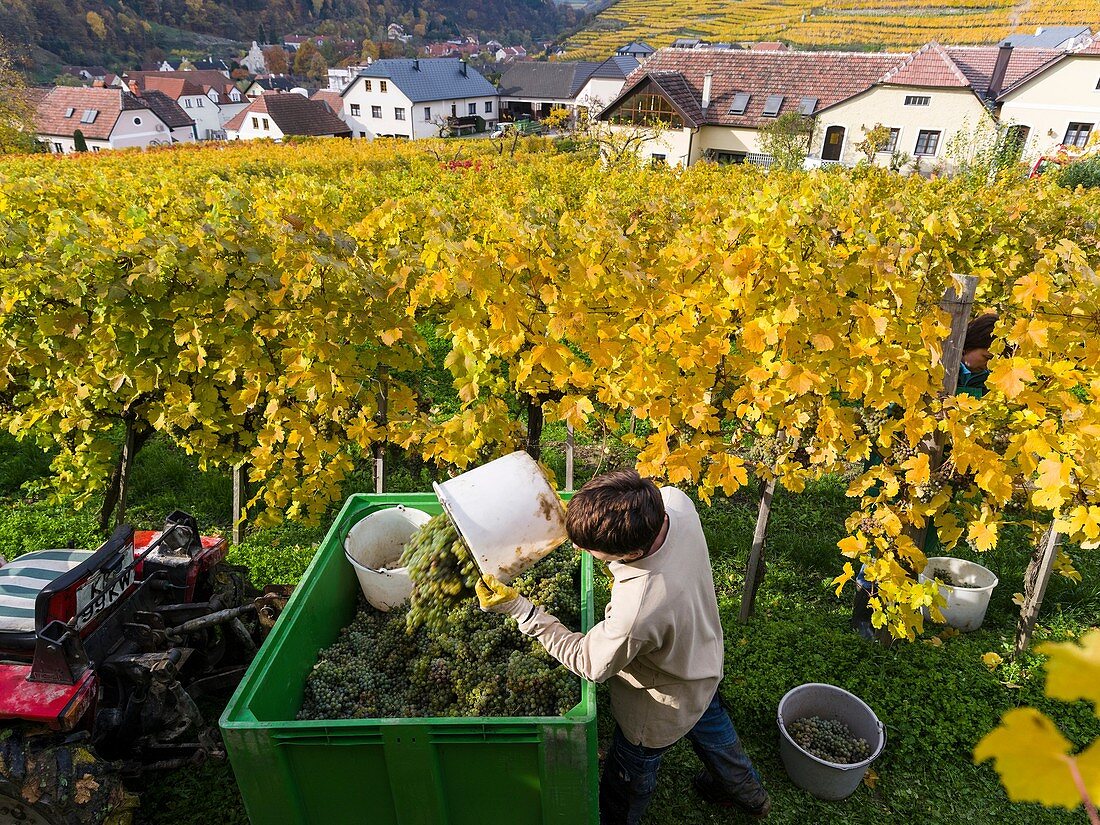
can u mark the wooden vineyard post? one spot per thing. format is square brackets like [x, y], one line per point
[239, 481]
[958, 306]
[381, 416]
[754, 571]
[569, 458]
[1035, 587]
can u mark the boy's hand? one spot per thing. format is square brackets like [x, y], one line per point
[495, 596]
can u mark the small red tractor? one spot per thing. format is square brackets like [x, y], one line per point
[105, 658]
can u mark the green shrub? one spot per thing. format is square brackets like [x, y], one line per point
[1084, 173]
[277, 555]
[33, 522]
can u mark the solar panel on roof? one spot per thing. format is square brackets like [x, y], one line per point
[740, 103]
[772, 106]
[807, 106]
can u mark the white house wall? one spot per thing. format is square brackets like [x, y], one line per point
[598, 92]
[250, 132]
[140, 127]
[735, 140]
[364, 125]
[204, 112]
[1066, 93]
[228, 111]
[949, 111]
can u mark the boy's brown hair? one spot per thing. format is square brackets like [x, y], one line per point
[617, 513]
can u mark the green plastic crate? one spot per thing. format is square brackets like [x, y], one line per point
[434, 771]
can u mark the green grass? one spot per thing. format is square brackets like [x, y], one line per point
[936, 702]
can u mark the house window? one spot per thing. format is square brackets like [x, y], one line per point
[927, 142]
[917, 100]
[366, 85]
[471, 109]
[892, 144]
[198, 102]
[488, 106]
[362, 134]
[376, 111]
[658, 160]
[69, 111]
[1078, 134]
[187, 103]
[772, 106]
[89, 116]
[427, 113]
[726, 158]
[647, 109]
[399, 114]
[137, 121]
[57, 148]
[1098, 85]
[266, 124]
[255, 123]
[355, 110]
[382, 85]
[454, 110]
[95, 148]
[740, 103]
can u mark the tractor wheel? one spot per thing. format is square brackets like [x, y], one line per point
[45, 780]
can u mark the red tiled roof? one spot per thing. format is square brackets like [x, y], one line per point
[829, 77]
[1092, 48]
[332, 99]
[977, 62]
[928, 66]
[51, 119]
[293, 114]
[174, 87]
[203, 78]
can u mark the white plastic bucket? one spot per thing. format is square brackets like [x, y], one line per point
[966, 606]
[824, 779]
[373, 544]
[507, 512]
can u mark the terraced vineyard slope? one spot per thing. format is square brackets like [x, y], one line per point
[834, 23]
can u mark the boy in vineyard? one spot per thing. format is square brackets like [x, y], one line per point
[659, 646]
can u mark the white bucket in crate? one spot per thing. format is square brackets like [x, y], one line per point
[507, 512]
[373, 547]
[966, 606]
[824, 779]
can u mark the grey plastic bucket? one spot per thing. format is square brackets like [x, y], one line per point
[827, 780]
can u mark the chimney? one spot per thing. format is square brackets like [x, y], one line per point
[462, 63]
[997, 79]
[134, 90]
[707, 79]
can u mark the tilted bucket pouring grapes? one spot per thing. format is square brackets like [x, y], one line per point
[506, 512]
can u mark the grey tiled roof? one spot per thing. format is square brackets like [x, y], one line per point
[431, 78]
[1048, 38]
[553, 81]
[618, 66]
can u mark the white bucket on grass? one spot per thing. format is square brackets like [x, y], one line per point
[373, 547]
[966, 606]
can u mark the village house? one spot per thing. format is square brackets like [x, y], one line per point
[1058, 104]
[191, 98]
[638, 50]
[254, 60]
[417, 98]
[510, 53]
[219, 90]
[276, 116]
[935, 102]
[714, 101]
[331, 99]
[535, 88]
[1058, 38]
[110, 118]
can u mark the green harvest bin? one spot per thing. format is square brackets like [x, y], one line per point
[437, 771]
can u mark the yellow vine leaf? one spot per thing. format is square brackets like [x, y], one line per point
[1010, 375]
[1073, 670]
[991, 660]
[1032, 758]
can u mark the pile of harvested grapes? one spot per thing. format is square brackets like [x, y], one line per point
[828, 739]
[442, 656]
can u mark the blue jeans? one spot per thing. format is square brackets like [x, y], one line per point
[630, 771]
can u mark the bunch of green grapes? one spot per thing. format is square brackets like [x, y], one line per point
[442, 571]
[828, 739]
[471, 664]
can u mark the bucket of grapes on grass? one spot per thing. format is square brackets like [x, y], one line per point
[966, 588]
[827, 738]
[506, 512]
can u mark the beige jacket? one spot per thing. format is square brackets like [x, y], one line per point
[660, 643]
